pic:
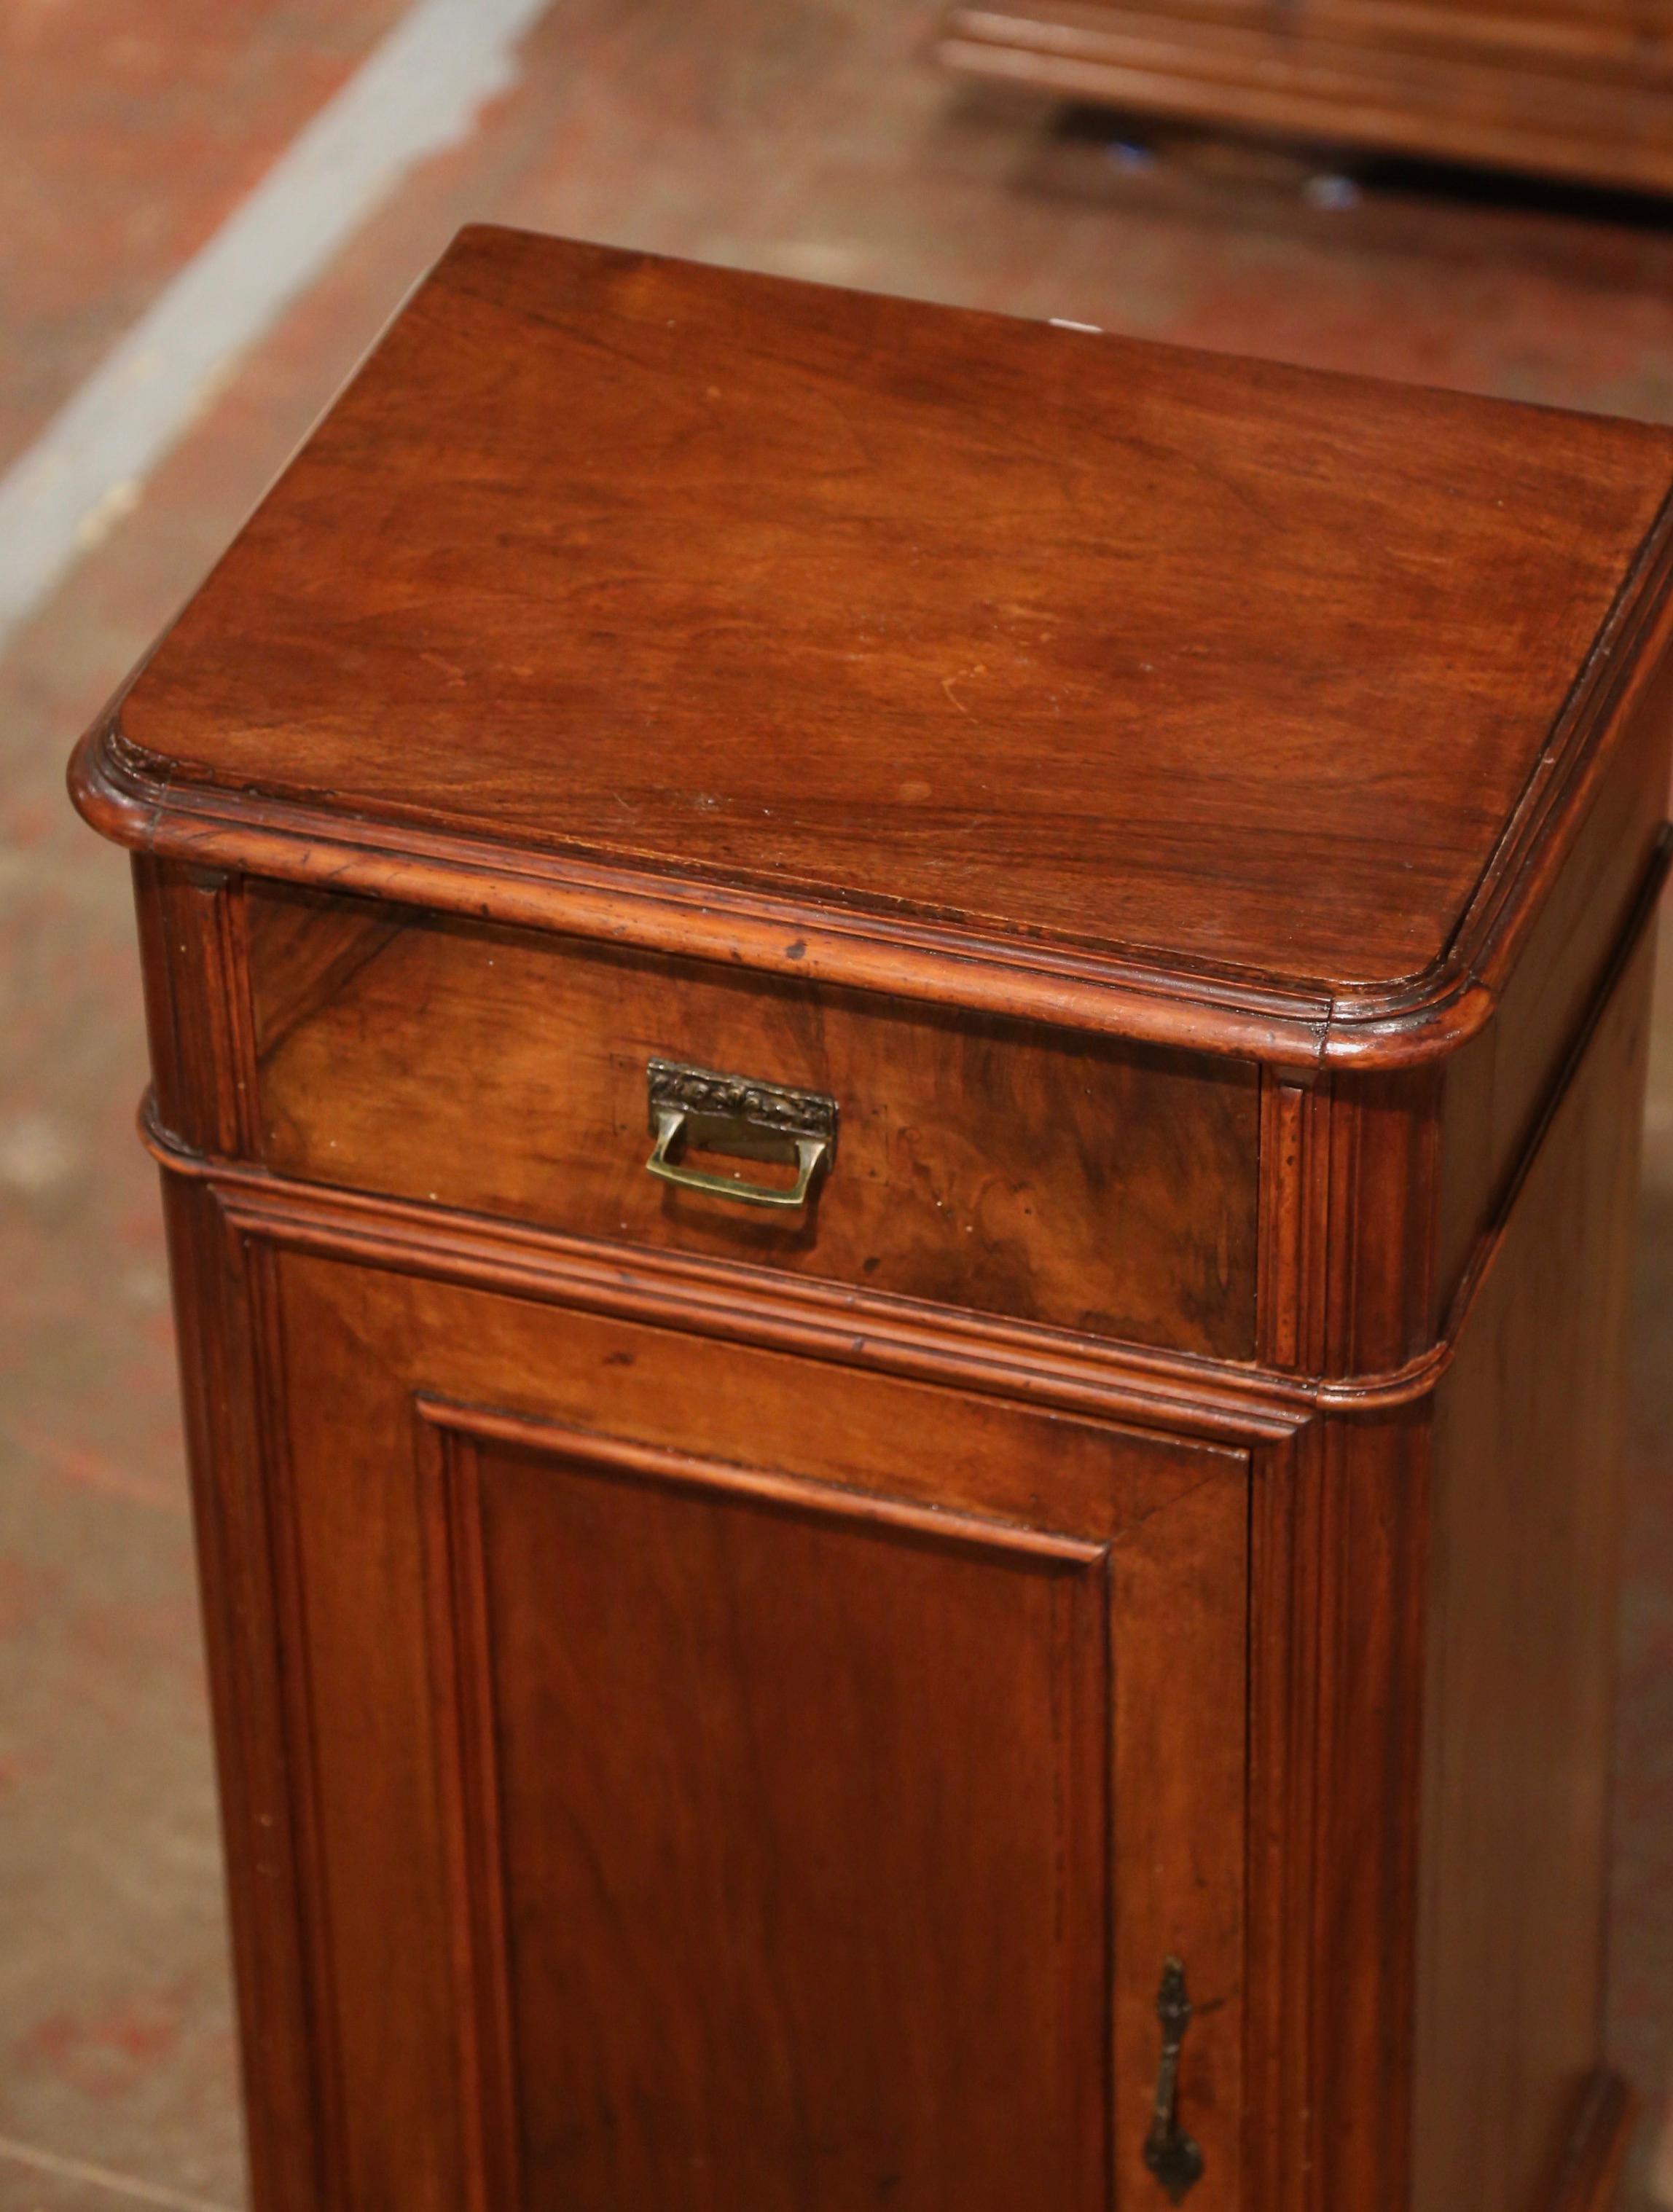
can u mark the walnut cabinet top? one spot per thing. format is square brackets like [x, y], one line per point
[998, 664]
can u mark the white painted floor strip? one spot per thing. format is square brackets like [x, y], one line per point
[100, 2176]
[416, 92]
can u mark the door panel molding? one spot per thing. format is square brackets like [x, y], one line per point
[453, 1445]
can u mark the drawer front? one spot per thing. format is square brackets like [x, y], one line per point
[996, 1166]
[734, 1783]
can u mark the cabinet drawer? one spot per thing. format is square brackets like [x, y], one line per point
[994, 1165]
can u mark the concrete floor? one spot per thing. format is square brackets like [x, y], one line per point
[808, 137]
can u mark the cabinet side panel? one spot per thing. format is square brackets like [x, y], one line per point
[1496, 1088]
[1520, 1665]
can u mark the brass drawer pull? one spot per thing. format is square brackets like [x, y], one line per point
[1172, 2156]
[746, 1119]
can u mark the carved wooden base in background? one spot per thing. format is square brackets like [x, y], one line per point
[1585, 99]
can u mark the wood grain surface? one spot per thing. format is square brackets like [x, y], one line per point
[997, 1165]
[1212, 668]
[1521, 1654]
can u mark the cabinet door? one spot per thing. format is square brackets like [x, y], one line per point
[731, 1781]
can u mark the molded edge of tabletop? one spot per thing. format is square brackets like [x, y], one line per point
[130, 798]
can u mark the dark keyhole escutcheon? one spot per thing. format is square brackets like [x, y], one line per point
[1172, 2156]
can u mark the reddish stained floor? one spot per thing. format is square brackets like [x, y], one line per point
[127, 134]
[807, 137]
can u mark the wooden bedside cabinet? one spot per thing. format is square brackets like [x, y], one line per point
[897, 1058]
